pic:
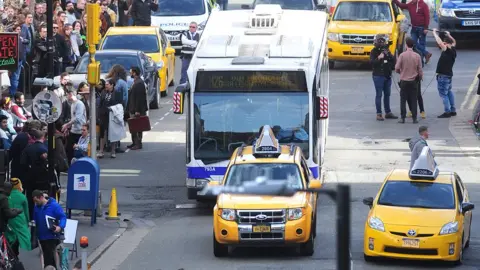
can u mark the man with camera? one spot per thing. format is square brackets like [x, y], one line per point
[383, 63]
[409, 66]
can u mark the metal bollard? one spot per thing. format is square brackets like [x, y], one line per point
[84, 245]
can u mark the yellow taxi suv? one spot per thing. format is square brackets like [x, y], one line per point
[247, 220]
[354, 24]
[421, 214]
[153, 42]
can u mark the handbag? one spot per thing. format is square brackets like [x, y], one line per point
[139, 124]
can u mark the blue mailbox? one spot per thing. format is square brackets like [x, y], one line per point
[82, 187]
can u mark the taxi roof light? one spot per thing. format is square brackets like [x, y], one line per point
[267, 145]
[425, 167]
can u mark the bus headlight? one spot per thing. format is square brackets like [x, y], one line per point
[201, 182]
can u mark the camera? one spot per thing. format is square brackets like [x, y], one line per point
[45, 82]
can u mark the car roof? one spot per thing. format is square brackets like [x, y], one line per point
[444, 177]
[379, 1]
[118, 51]
[133, 30]
[247, 157]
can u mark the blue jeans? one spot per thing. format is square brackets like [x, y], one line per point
[383, 85]
[185, 64]
[77, 153]
[420, 40]
[445, 91]
[14, 79]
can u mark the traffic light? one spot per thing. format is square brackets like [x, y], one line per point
[93, 73]
[93, 24]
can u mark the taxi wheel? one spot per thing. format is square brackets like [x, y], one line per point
[219, 250]
[308, 248]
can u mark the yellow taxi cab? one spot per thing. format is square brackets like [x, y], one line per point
[248, 220]
[355, 23]
[421, 214]
[152, 41]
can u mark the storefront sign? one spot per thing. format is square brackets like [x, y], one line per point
[8, 51]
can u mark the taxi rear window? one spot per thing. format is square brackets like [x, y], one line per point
[241, 173]
[417, 195]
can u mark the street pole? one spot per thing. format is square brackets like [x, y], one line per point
[51, 126]
[343, 227]
[93, 124]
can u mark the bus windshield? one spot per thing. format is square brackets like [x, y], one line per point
[224, 121]
[180, 8]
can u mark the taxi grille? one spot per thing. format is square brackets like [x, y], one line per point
[412, 251]
[262, 236]
[468, 13]
[261, 216]
[418, 235]
[357, 39]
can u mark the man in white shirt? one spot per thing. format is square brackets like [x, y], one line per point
[78, 119]
[189, 43]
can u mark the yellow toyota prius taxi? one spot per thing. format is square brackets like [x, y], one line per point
[248, 220]
[422, 214]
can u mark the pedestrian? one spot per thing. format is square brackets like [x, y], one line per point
[48, 232]
[141, 12]
[19, 144]
[109, 98]
[35, 166]
[409, 66]
[81, 147]
[383, 62]
[420, 21]
[74, 126]
[23, 51]
[5, 136]
[19, 234]
[190, 41]
[419, 93]
[19, 112]
[137, 105]
[445, 73]
[119, 74]
[5, 106]
[6, 213]
[417, 143]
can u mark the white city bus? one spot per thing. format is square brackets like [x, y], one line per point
[252, 68]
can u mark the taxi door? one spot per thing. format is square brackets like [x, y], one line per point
[462, 196]
[169, 59]
[311, 197]
[399, 29]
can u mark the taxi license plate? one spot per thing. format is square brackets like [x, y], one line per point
[261, 229]
[411, 243]
[471, 23]
[358, 50]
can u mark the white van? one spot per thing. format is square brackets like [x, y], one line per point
[175, 16]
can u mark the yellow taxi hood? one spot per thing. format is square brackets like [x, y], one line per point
[233, 201]
[414, 216]
[156, 57]
[371, 28]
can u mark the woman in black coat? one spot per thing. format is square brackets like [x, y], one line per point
[108, 98]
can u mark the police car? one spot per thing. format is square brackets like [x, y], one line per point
[421, 214]
[244, 220]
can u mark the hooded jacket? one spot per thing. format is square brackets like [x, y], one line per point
[416, 145]
[52, 209]
[419, 12]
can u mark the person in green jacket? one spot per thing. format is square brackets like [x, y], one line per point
[18, 234]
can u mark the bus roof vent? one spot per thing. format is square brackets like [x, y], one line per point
[265, 16]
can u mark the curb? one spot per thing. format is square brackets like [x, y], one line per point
[98, 252]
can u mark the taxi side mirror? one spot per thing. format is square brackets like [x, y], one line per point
[467, 207]
[400, 17]
[368, 202]
[169, 51]
[390, 42]
[316, 184]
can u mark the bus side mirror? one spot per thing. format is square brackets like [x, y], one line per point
[321, 110]
[179, 99]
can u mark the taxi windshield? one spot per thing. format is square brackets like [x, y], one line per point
[144, 43]
[289, 4]
[180, 8]
[363, 12]
[241, 173]
[417, 195]
[225, 121]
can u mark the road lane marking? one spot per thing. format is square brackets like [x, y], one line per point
[186, 206]
[128, 150]
[162, 118]
[156, 123]
[167, 113]
[183, 117]
[171, 109]
[469, 93]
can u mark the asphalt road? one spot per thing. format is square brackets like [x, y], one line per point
[171, 232]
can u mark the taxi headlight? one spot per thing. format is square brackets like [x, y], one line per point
[295, 213]
[376, 224]
[446, 12]
[449, 228]
[228, 214]
[334, 37]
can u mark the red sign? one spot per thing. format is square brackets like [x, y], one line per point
[9, 51]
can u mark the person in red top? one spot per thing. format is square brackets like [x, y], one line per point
[420, 20]
[19, 113]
